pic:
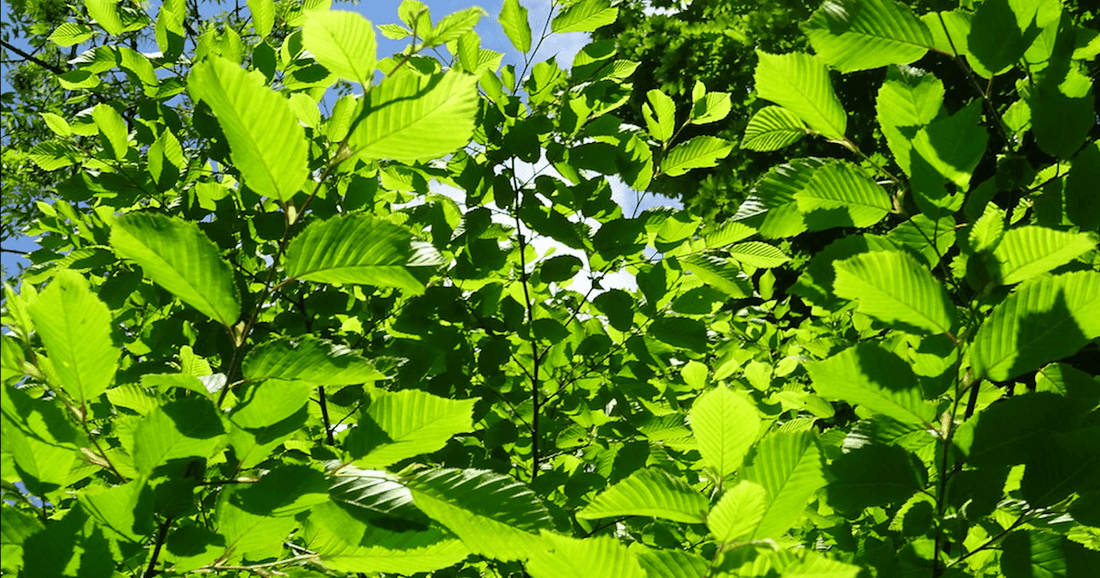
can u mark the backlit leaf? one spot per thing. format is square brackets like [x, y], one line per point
[595, 557]
[1025, 252]
[699, 152]
[649, 492]
[800, 83]
[877, 379]
[895, 289]
[513, 18]
[861, 34]
[789, 467]
[308, 359]
[403, 424]
[739, 512]
[343, 42]
[584, 16]
[725, 425]
[772, 128]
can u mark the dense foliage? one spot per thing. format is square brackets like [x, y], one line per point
[303, 311]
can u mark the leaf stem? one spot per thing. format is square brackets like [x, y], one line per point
[162, 535]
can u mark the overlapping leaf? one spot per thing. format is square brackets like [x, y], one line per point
[358, 249]
[342, 42]
[840, 195]
[800, 83]
[403, 424]
[75, 328]
[1025, 252]
[725, 425]
[895, 289]
[410, 117]
[789, 467]
[267, 144]
[1041, 321]
[596, 557]
[739, 512]
[861, 34]
[308, 359]
[772, 128]
[649, 492]
[877, 379]
[492, 514]
[176, 255]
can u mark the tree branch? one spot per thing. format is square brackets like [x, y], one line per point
[51, 67]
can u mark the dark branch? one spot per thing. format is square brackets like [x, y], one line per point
[51, 67]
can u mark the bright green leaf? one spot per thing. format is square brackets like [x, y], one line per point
[176, 255]
[649, 492]
[185, 428]
[403, 424]
[897, 290]
[267, 144]
[789, 467]
[584, 16]
[876, 379]
[105, 13]
[1027, 251]
[699, 152]
[800, 83]
[773, 128]
[660, 115]
[725, 425]
[841, 195]
[757, 254]
[861, 34]
[113, 128]
[343, 42]
[263, 16]
[75, 327]
[310, 359]
[513, 18]
[595, 557]
[738, 513]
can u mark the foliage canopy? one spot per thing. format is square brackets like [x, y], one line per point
[303, 309]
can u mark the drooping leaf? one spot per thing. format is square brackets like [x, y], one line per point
[584, 16]
[410, 117]
[800, 83]
[699, 152]
[649, 492]
[1025, 252]
[513, 19]
[595, 557]
[343, 42]
[403, 424]
[1043, 320]
[840, 195]
[861, 34]
[738, 513]
[773, 128]
[725, 425]
[184, 428]
[789, 467]
[267, 144]
[895, 289]
[877, 379]
[358, 249]
[75, 328]
[308, 359]
[492, 514]
[176, 255]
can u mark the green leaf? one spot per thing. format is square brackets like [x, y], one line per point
[454, 26]
[789, 467]
[670, 563]
[184, 428]
[410, 117]
[800, 83]
[776, 192]
[1082, 204]
[269, 402]
[725, 425]
[492, 514]
[998, 37]
[649, 492]
[909, 99]
[660, 115]
[876, 379]
[166, 160]
[71, 33]
[381, 550]
[595, 557]
[105, 13]
[713, 107]
[988, 230]
[359, 249]
[699, 152]
[1043, 320]
[841, 195]
[75, 328]
[584, 16]
[308, 358]
[267, 144]
[720, 274]
[1037, 552]
[245, 532]
[113, 128]
[41, 441]
[757, 254]
[176, 255]
[1027, 251]
[263, 16]
[1069, 463]
[873, 475]
[1061, 106]
[738, 513]
[343, 42]
[894, 288]
[285, 490]
[560, 268]
[124, 509]
[1013, 430]
[404, 424]
[854, 35]
[681, 332]
[773, 128]
[815, 565]
[513, 19]
[952, 146]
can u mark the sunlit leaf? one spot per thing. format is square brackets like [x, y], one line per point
[877, 379]
[725, 425]
[343, 42]
[699, 152]
[860, 34]
[584, 16]
[308, 359]
[789, 467]
[773, 128]
[895, 289]
[513, 18]
[595, 557]
[738, 513]
[403, 424]
[1025, 252]
[800, 83]
[648, 492]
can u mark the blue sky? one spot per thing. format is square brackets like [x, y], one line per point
[492, 37]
